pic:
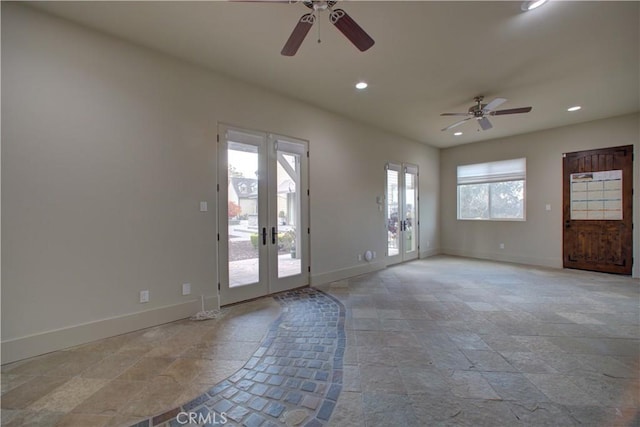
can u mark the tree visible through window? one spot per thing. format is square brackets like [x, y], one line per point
[492, 190]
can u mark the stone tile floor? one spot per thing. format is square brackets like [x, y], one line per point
[119, 381]
[440, 341]
[294, 377]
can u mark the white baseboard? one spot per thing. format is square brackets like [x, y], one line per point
[332, 276]
[345, 273]
[46, 342]
[429, 253]
[499, 256]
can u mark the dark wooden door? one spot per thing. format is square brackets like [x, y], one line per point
[597, 198]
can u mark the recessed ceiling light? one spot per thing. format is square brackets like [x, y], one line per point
[530, 5]
[458, 133]
[574, 108]
[361, 85]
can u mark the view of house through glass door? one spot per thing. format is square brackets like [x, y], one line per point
[263, 214]
[402, 212]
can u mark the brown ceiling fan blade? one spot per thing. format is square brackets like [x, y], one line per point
[457, 124]
[454, 114]
[298, 34]
[351, 29]
[511, 111]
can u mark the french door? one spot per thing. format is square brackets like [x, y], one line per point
[263, 217]
[402, 212]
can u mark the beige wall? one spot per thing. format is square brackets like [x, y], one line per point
[538, 240]
[107, 149]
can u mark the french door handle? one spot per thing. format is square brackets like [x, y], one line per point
[273, 235]
[264, 235]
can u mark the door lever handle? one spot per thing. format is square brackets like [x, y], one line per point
[273, 235]
[264, 235]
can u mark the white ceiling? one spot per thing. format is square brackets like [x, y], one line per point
[429, 57]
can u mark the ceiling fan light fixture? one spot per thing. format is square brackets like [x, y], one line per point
[320, 5]
[534, 4]
[361, 85]
[574, 108]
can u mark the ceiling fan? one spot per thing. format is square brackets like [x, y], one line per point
[480, 110]
[338, 17]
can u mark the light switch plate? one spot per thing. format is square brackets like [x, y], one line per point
[186, 288]
[144, 296]
[203, 206]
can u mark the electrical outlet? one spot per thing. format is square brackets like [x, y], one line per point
[374, 254]
[501, 245]
[359, 257]
[186, 288]
[144, 296]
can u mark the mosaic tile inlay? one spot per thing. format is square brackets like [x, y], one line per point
[294, 378]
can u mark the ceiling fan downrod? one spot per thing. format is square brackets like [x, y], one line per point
[319, 25]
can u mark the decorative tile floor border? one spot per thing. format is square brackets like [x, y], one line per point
[294, 378]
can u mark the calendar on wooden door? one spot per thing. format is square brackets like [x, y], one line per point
[596, 195]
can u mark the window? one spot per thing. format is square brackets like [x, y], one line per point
[492, 191]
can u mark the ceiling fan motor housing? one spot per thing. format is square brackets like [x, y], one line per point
[319, 4]
[476, 110]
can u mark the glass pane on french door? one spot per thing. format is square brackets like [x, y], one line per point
[409, 211]
[243, 210]
[393, 211]
[289, 212]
